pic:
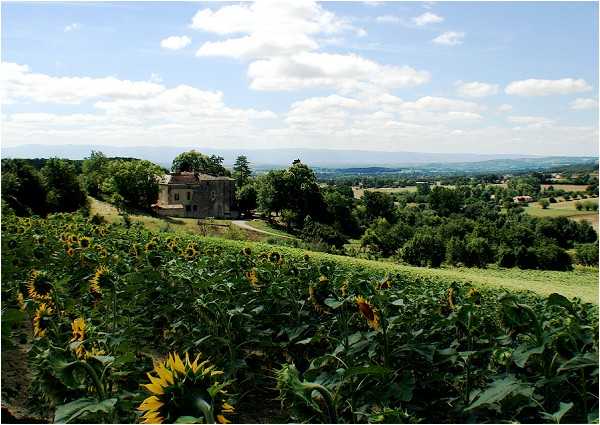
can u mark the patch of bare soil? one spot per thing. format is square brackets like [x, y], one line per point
[17, 407]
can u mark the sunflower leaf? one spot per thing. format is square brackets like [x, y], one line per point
[69, 412]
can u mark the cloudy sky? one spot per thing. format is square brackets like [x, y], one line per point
[397, 76]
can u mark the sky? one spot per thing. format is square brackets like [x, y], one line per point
[464, 77]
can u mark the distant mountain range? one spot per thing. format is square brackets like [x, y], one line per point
[270, 158]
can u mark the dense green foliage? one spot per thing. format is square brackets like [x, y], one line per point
[197, 162]
[355, 346]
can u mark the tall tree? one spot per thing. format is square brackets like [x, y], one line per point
[63, 191]
[134, 182]
[197, 162]
[22, 188]
[241, 171]
[94, 171]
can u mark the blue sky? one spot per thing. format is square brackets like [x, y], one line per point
[481, 77]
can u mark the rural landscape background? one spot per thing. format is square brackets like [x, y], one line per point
[271, 212]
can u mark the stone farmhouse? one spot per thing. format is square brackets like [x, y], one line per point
[194, 195]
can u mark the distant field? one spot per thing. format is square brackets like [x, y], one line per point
[359, 192]
[567, 187]
[565, 209]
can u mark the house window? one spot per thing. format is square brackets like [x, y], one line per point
[188, 208]
[189, 195]
[177, 196]
[195, 208]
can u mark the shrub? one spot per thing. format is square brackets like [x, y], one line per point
[552, 200]
[424, 249]
[544, 203]
[587, 254]
[578, 206]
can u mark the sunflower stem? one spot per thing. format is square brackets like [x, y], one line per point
[94, 376]
[206, 410]
[327, 396]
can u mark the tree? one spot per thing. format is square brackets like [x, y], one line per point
[587, 254]
[294, 190]
[241, 171]
[424, 249]
[246, 198]
[445, 201]
[378, 204]
[135, 182]
[94, 172]
[63, 191]
[197, 162]
[386, 238]
[544, 203]
[22, 188]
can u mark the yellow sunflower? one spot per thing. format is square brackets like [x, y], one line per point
[85, 242]
[368, 311]
[100, 279]
[41, 320]
[252, 277]
[39, 285]
[190, 252]
[78, 327]
[150, 246]
[133, 250]
[21, 301]
[70, 251]
[185, 388]
[246, 251]
[451, 297]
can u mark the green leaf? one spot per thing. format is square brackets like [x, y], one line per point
[189, 420]
[334, 304]
[560, 300]
[499, 390]
[522, 353]
[556, 417]
[367, 370]
[73, 410]
[580, 361]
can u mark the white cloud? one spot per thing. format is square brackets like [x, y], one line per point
[475, 89]
[535, 87]
[342, 72]
[175, 43]
[388, 19]
[72, 27]
[268, 28]
[533, 121]
[505, 108]
[18, 82]
[450, 38]
[427, 18]
[581, 103]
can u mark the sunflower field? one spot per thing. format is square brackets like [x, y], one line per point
[125, 325]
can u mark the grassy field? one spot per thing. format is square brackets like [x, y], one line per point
[359, 191]
[567, 187]
[560, 209]
[582, 282]
[263, 225]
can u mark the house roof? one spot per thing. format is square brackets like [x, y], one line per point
[187, 177]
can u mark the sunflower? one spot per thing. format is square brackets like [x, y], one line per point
[94, 352]
[474, 295]
[173, 247]
[85, 242]
[70, 251]
[190, 252]
[78, 327]
[100, 279]
[133, 250]
[102, 251]
[451, 297]
[184, 388]
[246, 251]
[306, 257]
[252, 277]
[21, 301]
[318, 293]
[150, 246]
[41, 320]
[274, 257]
[386, 283]
[12, 244]
[39, 285]
[368, 311]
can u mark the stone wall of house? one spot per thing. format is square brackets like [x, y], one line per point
[208, 198]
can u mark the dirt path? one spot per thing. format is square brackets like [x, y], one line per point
[244, 225]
